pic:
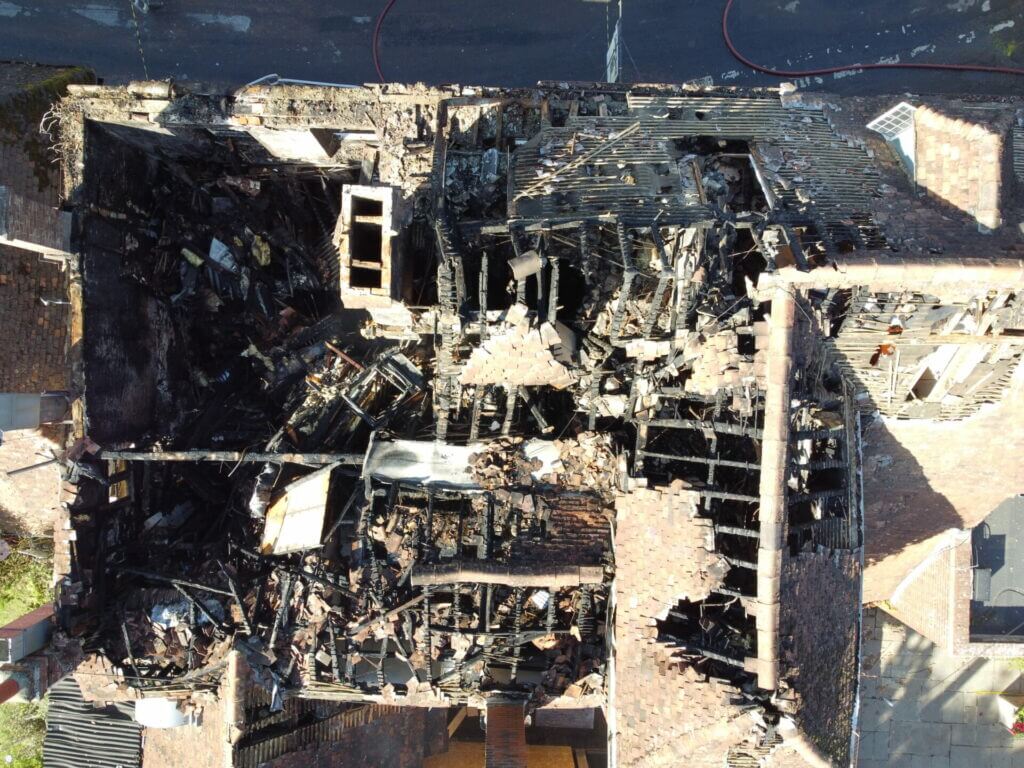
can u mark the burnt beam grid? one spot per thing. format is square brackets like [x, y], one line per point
[822, 505]
[726, 450]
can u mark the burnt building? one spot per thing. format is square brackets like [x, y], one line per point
[545, 402]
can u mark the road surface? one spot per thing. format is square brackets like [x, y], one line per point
[517, 42]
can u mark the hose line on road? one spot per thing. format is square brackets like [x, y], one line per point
[758, 67]
[376, 39]
[831, 70]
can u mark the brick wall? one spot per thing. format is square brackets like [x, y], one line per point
[32, 357]
[27, 223]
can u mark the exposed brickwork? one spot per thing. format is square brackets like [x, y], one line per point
[963, 162]
[818, 637]
[28, 223]
[368, 735]
[33, 356]
[650, 520]
[506, 737]
[665, 715]
[26, 165]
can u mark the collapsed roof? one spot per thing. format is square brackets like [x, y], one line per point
[432, 396]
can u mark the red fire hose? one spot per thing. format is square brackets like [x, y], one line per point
[830, 70]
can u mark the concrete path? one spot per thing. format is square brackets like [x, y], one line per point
[921, 708]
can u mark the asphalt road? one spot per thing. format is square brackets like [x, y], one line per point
[517, 42]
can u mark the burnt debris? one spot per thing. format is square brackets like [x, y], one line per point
[371, 374]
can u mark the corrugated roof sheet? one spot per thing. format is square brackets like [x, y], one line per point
[79, 735]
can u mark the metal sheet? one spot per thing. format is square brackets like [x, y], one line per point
[295, 520]
[424, 462]
[80, 735]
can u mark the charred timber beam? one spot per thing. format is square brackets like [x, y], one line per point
[281, 616]
[128, 651]
[173, 581]
[696, 649]
[626, 247]
[522, 637]
[485, 521]
[535, 411]
[474, 425]
[517, 618]
[511, 396]
[238, 600]
[734, 531]
[520, 576]
[820, 464]
[664, 283]
[721, 427]
[753, 466]
[553, 291]
[218, 628]
[335, 663]
[726, 496]
[482, 292]
[309, 459]
[732, 593]
[740, 563]
[831, 493]
[818, 434]
[388, 616]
